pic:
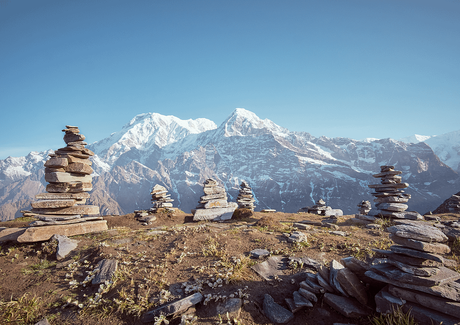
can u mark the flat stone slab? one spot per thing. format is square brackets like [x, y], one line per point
[272, 267]
[352, 285]
[346, 306]
[417, 254]
[419, 262]
[62, 196]
[174, 308]
[386, 302]
[436, 248]
[63, 203]
[57, 217]
[232, 306]
[40, 223]
[306, 262]
[439, 304]
[11, 234]
[65, 246]
[276, 313]
[334, 268]
[419, 271]
[311, 222]
[449, 290]
[107, 269]
[78, 209]
[391, 272]
[216, 214]
[302, 226]
[62, 177]
[300, 300]
[35, 234]
[426, 316]
[258, 253]
[418, 232]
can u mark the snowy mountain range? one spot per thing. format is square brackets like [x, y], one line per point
[287, 170]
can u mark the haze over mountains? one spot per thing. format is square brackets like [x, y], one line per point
[287, 170]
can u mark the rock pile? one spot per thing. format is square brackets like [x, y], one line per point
[364, 207]
[416, 273]
[363, 216]
[451, 205]
[161, 199]
[68, 172]
[390, 197]
[245, 198]
[322, 209]
[213, 204]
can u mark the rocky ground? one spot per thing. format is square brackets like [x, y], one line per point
[156, 260]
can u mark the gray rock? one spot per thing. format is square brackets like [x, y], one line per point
[310, 285]
[352, 285]
[418, 232]
[302, 226]
[356, 266]
[449, 290]
[420, 271]
[333, 281]
[297, 237]
[291, 304]
[346, 306]
[258, 253]
[330, 225]
[398, 207]
[65, 246]
[174, 308]
[439, 304]
[272, 267]
[311, 222]
[107, 269]
[417, 254]
[419, 262]
[426, 316]
[322, 282]
[436, 248]
[276, 313]
[300, 300]
[339, 233]
[391, 272]
[215, 214]
[232, 306]
[451, 233]
[305, 262]
[333, 212]
[310, 296]
[386, 303]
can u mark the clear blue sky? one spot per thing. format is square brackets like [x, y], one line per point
[358, 69]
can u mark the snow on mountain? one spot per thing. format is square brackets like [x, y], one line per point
[147, 132]
[416, 138]
[447, 148]
[14, 168]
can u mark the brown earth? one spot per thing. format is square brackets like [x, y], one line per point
[34, 285]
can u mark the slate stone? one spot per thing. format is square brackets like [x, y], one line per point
[346, 306]
[436, 248]
[324, 284]
[301, 226]
[51, 218]
[232, 306]
[291, 305]
[324, 272]
[310, 285]
[448, 290]
[174, 308]
[64, 203]
[297, 237]
[276, 313]
[11, 234]
[386, 303]
[310, 296]
[40, 223]
[311, 222]
[352, 285]
[426, 316]
[356, 266]
[393, 273]
[216, 214]
[451, 233]
[306, 262]
[419, 262]
[439, 304]
[333, 281]
[63, 177]
[417, 254]
[35, 234]
[397, 207]
[62, 196]
[258, 253]
[65, 246]
[274, 265]
[56, 162]
[107, 269]
[78, 209]
[339, 233]
[420, 271]
[300, 300]
[79, 168]
[418, 232]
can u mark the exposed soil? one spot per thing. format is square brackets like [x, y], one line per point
[163, 255]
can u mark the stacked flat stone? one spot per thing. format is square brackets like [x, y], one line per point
[454, 204]
[245, 197]
[213, 204]
[68, 172]
[389, 196]
[161, 199]
[415, 271]
[322, 209]
[364, 207]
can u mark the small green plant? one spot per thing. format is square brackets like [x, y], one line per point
[42, 265]
[25, 310]
[397, 317]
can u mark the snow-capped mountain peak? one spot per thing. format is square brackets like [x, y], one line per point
[416, 138]
[243, 122]
[146, 131]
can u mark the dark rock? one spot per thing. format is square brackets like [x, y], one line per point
[276, 313]
[174, 308]
[107, 269]
[346, 306]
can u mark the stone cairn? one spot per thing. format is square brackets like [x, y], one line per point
[245, 198]
[364, 207]
[416, 275]
[390, 197]
[68, 172]
[322, 209]
[363, 216]
[451, 205]
[161, 199]
[213, 204]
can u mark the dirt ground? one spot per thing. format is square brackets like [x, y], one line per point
[158, 261]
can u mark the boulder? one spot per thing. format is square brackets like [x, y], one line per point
[276, 313]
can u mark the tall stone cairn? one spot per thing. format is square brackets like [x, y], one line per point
[68, 172]
[161, 199]
[417, 274]
[213, 204]
[389, 195]
[245, 197]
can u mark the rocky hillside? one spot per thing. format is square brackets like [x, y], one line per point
[286, 170]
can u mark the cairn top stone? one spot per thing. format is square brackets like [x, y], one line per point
[418, 232]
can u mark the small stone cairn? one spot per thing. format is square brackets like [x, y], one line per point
[364, 207]
[416, 275]
[213, 204]
[363, 216]
[245, 197]
[68, 172]
[390, 197]
[322, 209]
[161, 199]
